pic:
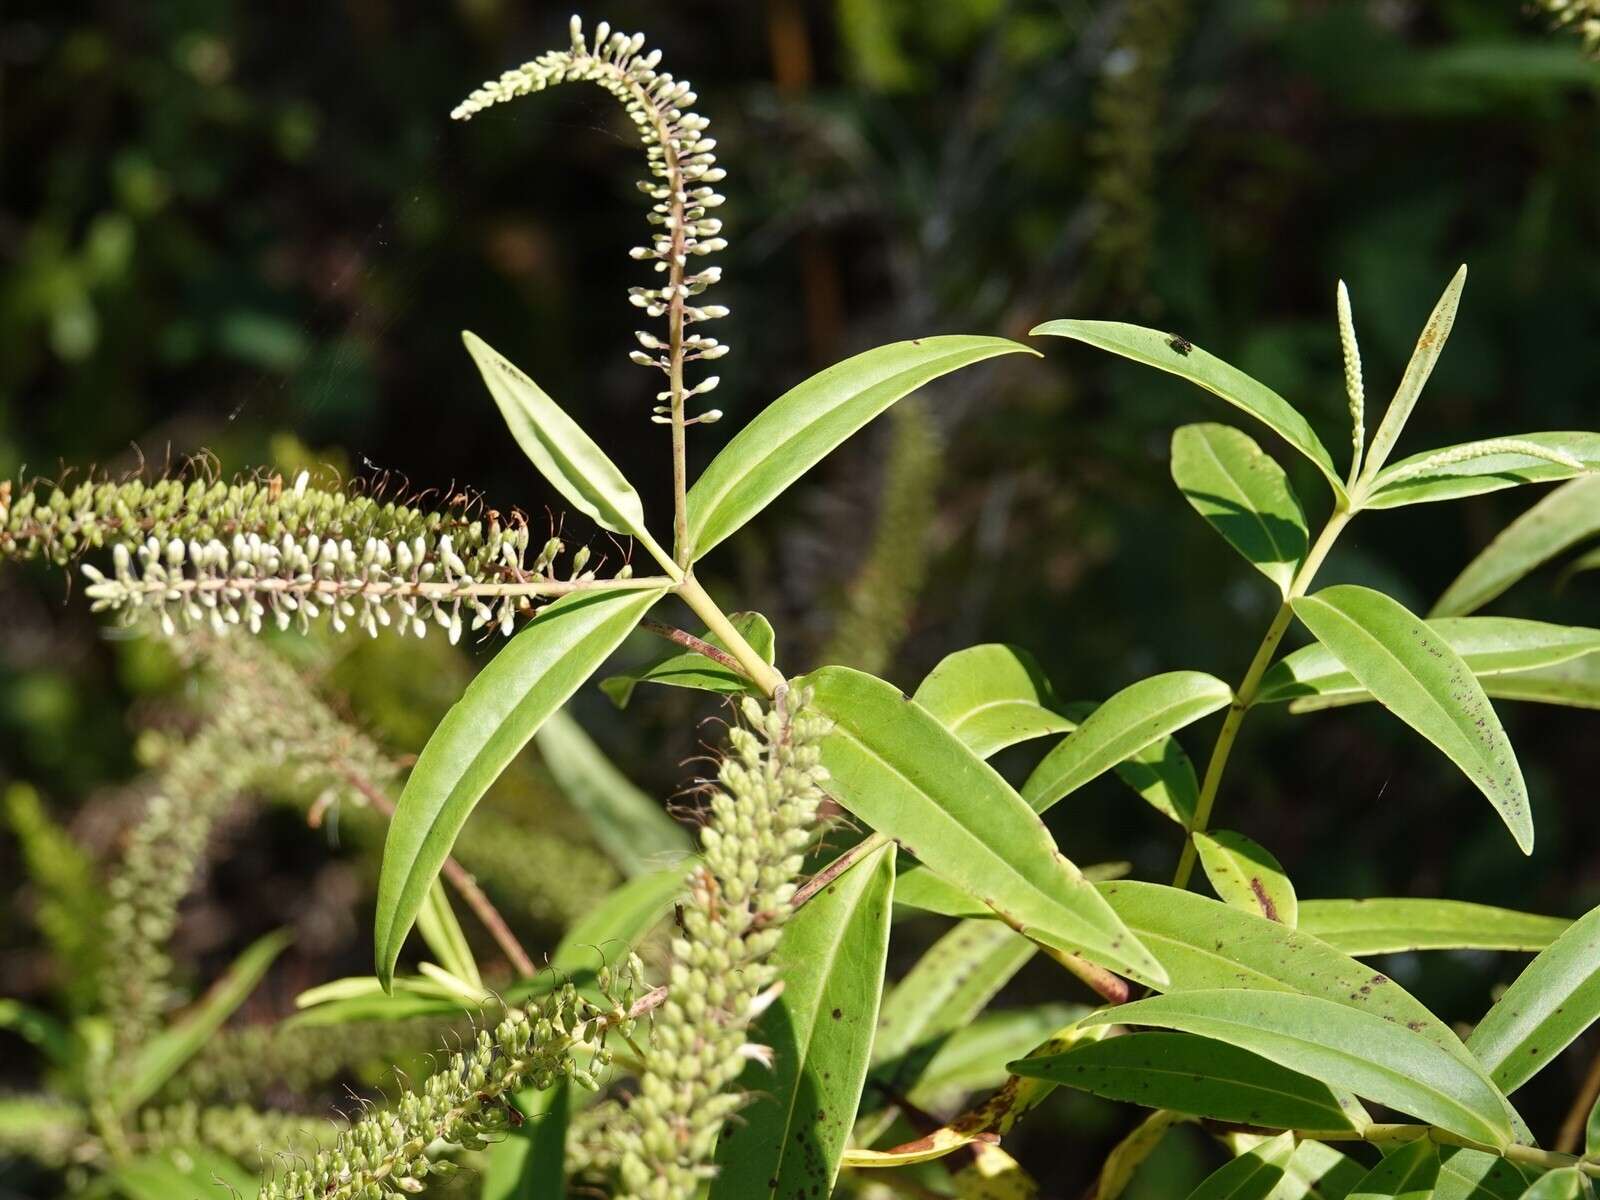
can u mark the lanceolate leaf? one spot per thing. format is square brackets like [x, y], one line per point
[693, 670]
[1429, 346]
[1473, 1175]
[1341, 1045]
[1127, 723]
[1408, 1173]
[502, 708]
[1171, 353]
[1246, 875]
[1403, 483]
[564, 454]
[1412, 671]
[946, 989]
[974, 1058]
[1199, 1076]
[1244, 495]
[159, 1059]
[1316, 1172]
[186, 1172]
[1575, 684]
[991, 696]
[800, 428]
[1252, 1176]
[831, 961]
[1566, 1183]
[919, 888]
[1554, 1000]
[1128, 1155]
[436, 922]
[1488, 645]
[1567, 516]
[1399, 924]
[612, 927]
[897, 768]
[629, 825]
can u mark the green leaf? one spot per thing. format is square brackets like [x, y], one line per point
[1247, 876]
[1130, 721]
[897, 768]
[1407, 1173]
[974, 1057]
[1394, 925]
[1244, 495]
[1252, 1176]
[630, 826]
[1199, 1076]
[618, 922]
[501, 709]
[1565, 1183]
[801, 427]
[1414, 674]
[1429, 346]
[564, 454]
[831, 961]
[159, 1058]
[1128, 1155]
[1473, 1175]
[1591, 1134]
[942, 993]
[1204, 944]
[1339, 1044]
[529, 1162]
[921, 889]
[1188, 361]
[1575, 684]
[1567, 516]
[1316, 1172]
[39, 1028]
[693, 670]
[437, 923]
[991, 696]
[1161, 773]
[1488, 645]
[1404, 483]
[180, 1173]
[1554, 1000]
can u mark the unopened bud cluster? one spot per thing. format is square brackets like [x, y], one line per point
[249, 1137]
[391, 1152]
[682, 169]
[761, 816]
[218, 555]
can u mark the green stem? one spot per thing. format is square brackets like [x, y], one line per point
[766, 676]
[1244, 695]
[1388, 1135]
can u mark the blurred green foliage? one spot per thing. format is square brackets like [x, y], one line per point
[251, 230]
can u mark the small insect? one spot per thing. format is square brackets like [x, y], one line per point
[1180, 344]
[677, 918]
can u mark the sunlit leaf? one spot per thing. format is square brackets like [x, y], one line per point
[1409, 1172]
[1473, 1175]
[801, 427]
[1393, 925]
[1575, 684]
[1246, 875]
[1201, 1077]
[975, 1057]
[1488, 645]
[529, 1161]
[533, 676]
[1316, 1172]
[1244, 495]
[631, 827]
[1176, 355]
[1555, 999]
[1405, 483]
[182, 1172]
[1567, 516]
[159, 1058]
[1564, 1183]
[831, 961]
[1162, 774]
[1345, 1046]
[564, 454]
[436, 922]
[1412, 671]
[1429, 346]
[991, 696]
[694, 670]
[1130, 721]
[618, 922]
[897, 768]
[1251, 1176]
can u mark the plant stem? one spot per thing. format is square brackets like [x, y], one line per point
[680, 637]
[1244, 695]
[765, 675]
[1547, 1160]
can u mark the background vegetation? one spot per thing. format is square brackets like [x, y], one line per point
[249, 230]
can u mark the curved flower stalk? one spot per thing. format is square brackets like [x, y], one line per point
[682, 169]
[204, 554]
[392, 1151]
[760, 819]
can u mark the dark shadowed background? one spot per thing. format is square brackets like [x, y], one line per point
[251, 230]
